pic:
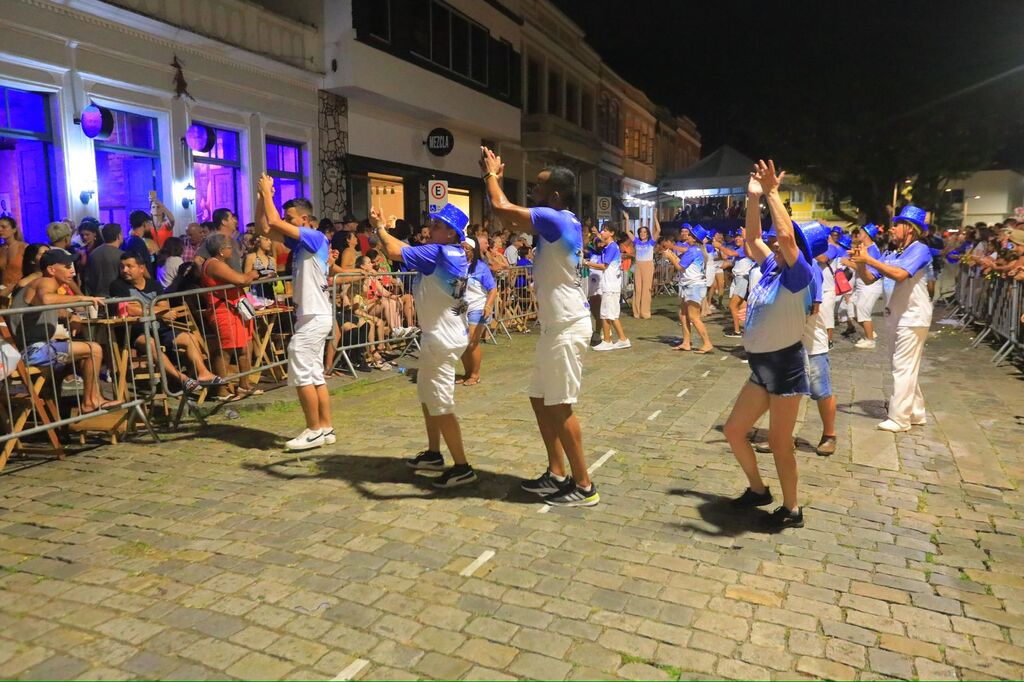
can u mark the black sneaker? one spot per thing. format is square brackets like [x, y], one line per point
[545, 484]
[573, 496]
[751, 499]
[732, 335]
[783, 518]
[430, 461]
[460, 474]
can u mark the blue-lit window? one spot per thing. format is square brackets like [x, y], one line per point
[127, 167]
[217, 176]
[32, 188]
[285, 166]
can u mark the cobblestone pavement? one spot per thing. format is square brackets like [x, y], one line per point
[215, 555]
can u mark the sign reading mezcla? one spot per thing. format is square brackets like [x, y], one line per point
[440, 142]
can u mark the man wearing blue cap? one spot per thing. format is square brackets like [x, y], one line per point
[314, 309]
[564, 317]
[908, 312]
[866, 294]
[777, 310]
[438, 290]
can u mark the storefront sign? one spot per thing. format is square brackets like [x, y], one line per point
[604, 207]
[437, 194]
[440, 142]
[97, 122]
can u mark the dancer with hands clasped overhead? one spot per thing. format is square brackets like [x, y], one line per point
[777, 308]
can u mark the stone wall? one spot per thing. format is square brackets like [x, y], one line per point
[333, 147]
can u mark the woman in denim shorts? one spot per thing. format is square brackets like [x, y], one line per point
[690, 259]
[777, 309]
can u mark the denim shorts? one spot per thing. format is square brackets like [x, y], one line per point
[819, 375]
[692, 293]
[780, 372]
[477, 316]
[56, 354]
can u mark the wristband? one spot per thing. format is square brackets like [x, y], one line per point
[489, 174]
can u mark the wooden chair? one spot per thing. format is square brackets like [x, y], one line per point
[21, 399]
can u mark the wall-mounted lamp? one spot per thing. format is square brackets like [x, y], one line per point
[85, 196]
[190, 196]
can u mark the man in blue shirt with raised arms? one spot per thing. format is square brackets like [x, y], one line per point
[439, 292]
[564, 317]
[314, 309]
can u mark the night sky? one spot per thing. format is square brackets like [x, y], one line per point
[715, 60]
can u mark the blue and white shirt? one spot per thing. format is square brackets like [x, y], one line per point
[644, 250]
[311, 293]
[877, 255]
[480, 284]
[611, 277]
[909, 304]
[557, 267]
[692, 266]
[778, 305]
[439, 292]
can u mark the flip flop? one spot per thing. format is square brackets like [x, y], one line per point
[680, 347]
[473, 383]
[704, 352]
[215, 381]
[191, 386]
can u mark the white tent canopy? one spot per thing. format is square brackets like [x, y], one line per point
[726, 171]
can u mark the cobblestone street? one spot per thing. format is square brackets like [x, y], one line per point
[215, 555]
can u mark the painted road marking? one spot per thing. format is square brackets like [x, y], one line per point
[654, 415]
[682, 393]
[484, 557]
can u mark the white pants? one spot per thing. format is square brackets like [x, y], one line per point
[906, 404]
[866, 297]
[828, 309]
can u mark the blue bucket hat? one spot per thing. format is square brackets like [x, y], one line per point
[452, 216]
[871, 229]
[912, 214]
[846, 242]
[812, 238]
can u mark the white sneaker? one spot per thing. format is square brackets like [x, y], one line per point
[893, 427]
[329, 436]
[626, 343]
[307, 440]
[866, 344]
[604, 345]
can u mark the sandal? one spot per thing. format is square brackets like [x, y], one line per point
[215, 381]
[190, 386]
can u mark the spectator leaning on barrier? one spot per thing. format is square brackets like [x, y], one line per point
[908, 313]
[45, 339]
[314, 310]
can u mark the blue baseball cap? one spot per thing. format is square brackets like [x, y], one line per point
[912, 214]
[452, 216]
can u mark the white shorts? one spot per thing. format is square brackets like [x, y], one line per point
[610, 305]
[828, 309]
[867, 296]
[739, 286]
[594, 285]
[306, 350]
[435, 378]
[558, 362]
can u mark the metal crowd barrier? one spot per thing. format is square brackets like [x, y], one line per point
[516, 307]
[994, 303]
[237, 333]
[374, 314]
[664, 277]
[73, 368]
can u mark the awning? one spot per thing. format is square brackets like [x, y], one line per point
[725, 172]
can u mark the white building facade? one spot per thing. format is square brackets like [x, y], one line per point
[251, 78]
